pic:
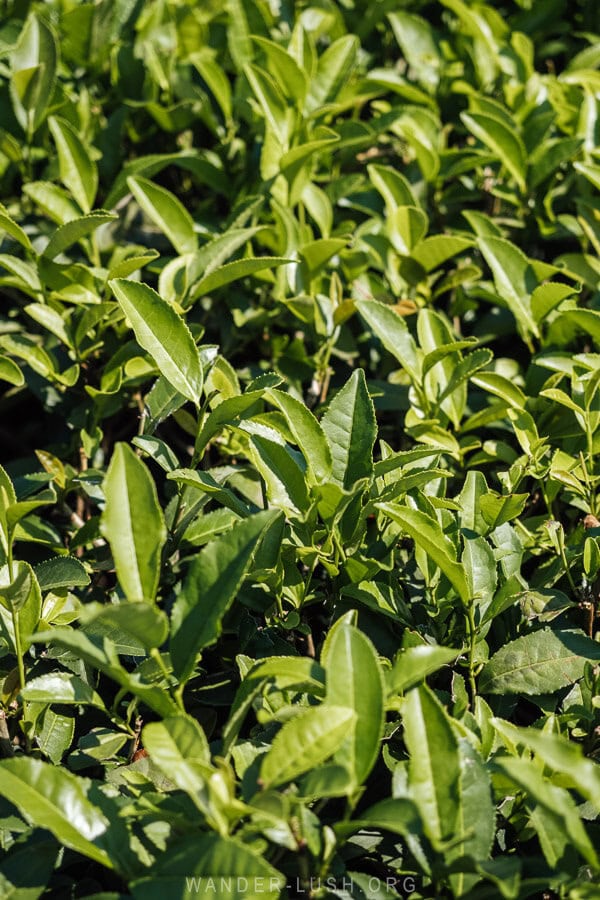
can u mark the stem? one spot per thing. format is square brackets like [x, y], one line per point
[15, 619]
[472, 642]
[572, 584]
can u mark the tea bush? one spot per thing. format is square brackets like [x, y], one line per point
[300, 396]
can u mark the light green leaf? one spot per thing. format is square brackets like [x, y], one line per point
[179, 747]
[392, 331]
[514, 279]
[68, 234]
[163, 334]
[13, 229]
[559, 754]
[501, 140]
[166, 211]
[407, 227]
[334, 68]
[34, 63]
[233, 271]
[61, 687]
[52, 798]
[10, 371]
[283, 475]
[553, 799]
[413, 664]
[133, 524]
[146, 624]
[308, 434]
[434, 766]
[78, 172]
[501, 387]
[209, 589]
[303, 743]
[476, 821]
[432, 251]
[355, 681]
[427, 533]
[350, 428]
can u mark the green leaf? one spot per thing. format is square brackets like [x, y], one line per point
[547, 297]
[538, 663]
[501, 387]
[413, 664]
[434, 765]
[54, 799]
[15, 231]
[146, 624]
[436, 249]
[559, 754]
[407, 228]
[334, 68]
[133, 524]
[501, 140]
[308, 434]
[355, 681]
[33, 72]
[392, 331]
[233, 271]
[179, 747]
[392, 185]
[21, 592]
[271, 101]
[76, 229]
[56, 734]
[303, 743]
[220, 866]
[210, 587]
[61, 572]
[500, 508]
[163, 334]
[427, 533]
[99, 651]
[283, 475]
[61, 687]
[78, 172]
[476, 821]
[203, 481]
[10, 371]
[350, 428]
[514, 279]
[166, 211]
[553, 799]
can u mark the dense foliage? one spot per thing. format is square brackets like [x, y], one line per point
[300, 395]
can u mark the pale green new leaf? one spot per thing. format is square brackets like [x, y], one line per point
[355, 681]
[166, 211]
[78, 172]
[427, 533]
[133, 524]
[34, 63]
[305, 742]
[350, 428]
[434, 766]
[74, 230]
[163, 334]
[179, 747]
